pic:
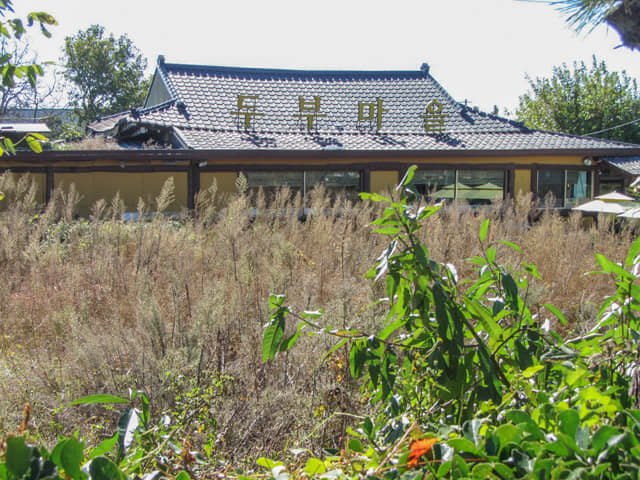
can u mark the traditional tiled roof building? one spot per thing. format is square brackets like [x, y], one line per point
[348, 130]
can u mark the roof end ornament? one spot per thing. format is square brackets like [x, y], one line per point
[160, 60]
[425, 68]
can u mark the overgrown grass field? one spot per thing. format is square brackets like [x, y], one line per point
[176, 307]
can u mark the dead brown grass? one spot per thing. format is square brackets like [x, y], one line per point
[171, 306]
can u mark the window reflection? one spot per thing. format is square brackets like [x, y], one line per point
[474, 186]
[568, 187]
[335, 182]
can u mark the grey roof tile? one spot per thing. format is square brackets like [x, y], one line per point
[210, 95]
[629, 165]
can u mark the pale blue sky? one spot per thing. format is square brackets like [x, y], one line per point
[478, 50]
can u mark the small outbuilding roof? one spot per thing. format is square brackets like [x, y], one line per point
[629, 165]
[24, 128]
[230, 108]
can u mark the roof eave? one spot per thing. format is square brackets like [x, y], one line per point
[192, 154]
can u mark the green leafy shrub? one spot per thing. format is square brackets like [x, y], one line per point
[470, 367]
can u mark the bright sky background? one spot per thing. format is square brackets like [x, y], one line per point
[479, 50]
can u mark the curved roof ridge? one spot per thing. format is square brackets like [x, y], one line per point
[157, 107]
[302, 73]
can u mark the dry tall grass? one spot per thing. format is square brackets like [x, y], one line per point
[176, 308]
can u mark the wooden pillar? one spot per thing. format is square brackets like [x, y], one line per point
[365, 182]
[193, 184]
[49, 185]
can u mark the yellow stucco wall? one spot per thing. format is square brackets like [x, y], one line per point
[382, 180]
[226, 181]
[39, 179]
[96, 185]
[521, 182]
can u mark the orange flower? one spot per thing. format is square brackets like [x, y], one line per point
[418, 448]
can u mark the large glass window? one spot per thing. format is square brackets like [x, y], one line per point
[481, 186]
[474, 186]
[568, 187]
[270, 182]
[436, 184]
[346, 182]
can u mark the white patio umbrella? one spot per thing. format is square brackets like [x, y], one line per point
[631, 213]
[615, 197]
[601, 206]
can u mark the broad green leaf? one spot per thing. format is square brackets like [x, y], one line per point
[511, 291]
[485, 318]
[273, 335]
[104, 447]
[390, 230]
[289, 342]
[336, 347]
[504, 471]
[511, 245]
[374, 197]
[520, 418]
[98, 399]
[276, 301]
[182, 476]
[602, 436]
[71, 458]
[314, 466]
[267, 463]
[558, 448]
[444, 469]
[9, 146]
[612, 442]
[408, 176]
[356, 445]
[482, 470]
[532, 371]
[357, 357]
[18, 456]
[569, 422]
[484, 230]
[559, 315]
[38, 136]
[389, 329]
[308, 314]
[600, 469]
[34, 144]
[102, 468]
[508, 433]
[633, 253]
[610, 267]
[463, 445]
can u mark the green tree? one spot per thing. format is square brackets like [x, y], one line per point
[106, 73]
[622, 15]
[582, 101]
[12, 67]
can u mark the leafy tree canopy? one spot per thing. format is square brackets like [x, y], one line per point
[12, 69]
[14, 28]
[622, 15]
[582, 101]
[107, 73]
